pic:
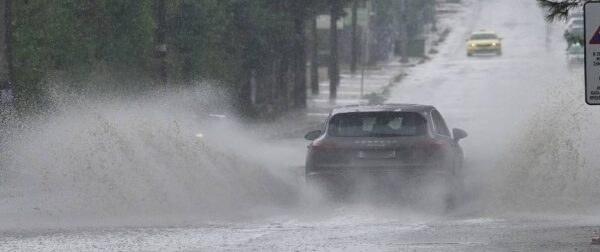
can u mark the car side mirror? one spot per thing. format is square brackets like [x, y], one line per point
[459, 134]
[500, 39]
[313, 135]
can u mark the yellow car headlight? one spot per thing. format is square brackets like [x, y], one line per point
[473, 44]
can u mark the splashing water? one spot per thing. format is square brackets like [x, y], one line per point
[551, 168]
[93, 161]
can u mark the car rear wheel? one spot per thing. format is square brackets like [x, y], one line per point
[455, 189]
[453, 194]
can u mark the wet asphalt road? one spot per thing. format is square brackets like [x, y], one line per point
[493, 98]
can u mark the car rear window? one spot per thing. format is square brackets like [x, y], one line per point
[482, 36]
[377, 124]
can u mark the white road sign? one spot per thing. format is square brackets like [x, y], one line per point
[592, 52]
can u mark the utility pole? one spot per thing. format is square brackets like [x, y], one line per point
[161, 43]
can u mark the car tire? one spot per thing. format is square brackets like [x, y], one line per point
[314, 181]
[469, 54]
[455, 193]
[455, 187]
[499, 53]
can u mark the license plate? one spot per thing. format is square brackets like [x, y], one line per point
[377, 154]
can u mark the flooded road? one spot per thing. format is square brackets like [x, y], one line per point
[530, 169]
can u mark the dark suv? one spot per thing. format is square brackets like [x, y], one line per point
[403, 139]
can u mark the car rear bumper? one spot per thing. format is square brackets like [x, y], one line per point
[375, 179]
[376, 170]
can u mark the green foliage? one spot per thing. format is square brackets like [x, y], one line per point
[224, 37]
[128, 31]
[109, 45]
[76, 39]
[559, 9]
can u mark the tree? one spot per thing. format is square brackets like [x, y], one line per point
[385, 31]
[299, 53]
[314, 57]
[317, 9]
[403, 27]
[183, 31]
[6, 65]
[253, 50]
[432, 10]
[83, 46]
[161, 40]
[559, 9]
[334, 67]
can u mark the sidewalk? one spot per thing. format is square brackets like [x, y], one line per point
[377, 81]
[374, 85]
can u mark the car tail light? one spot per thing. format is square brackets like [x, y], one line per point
[324, 145]
[430, 145]
[428, 149]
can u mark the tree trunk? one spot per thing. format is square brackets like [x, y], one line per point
[6, 67]
[314, 58]
[161, 43]
[354, 40]
[282, 83]
[244, 102]
[433, 16]
[403, 32]
[299, 58]
[187, 68]
[334, 68]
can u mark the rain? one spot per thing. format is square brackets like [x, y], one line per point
[180, 125]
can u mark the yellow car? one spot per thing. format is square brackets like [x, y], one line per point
[484, 42]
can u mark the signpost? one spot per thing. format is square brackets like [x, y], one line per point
[592, 52]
